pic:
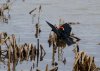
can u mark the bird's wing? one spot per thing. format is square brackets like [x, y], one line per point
[72, 40]
[54, 29]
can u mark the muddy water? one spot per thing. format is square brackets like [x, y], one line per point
[87, 12]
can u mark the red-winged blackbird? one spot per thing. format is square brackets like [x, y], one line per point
[64, 33]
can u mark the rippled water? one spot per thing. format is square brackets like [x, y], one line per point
[87, 12]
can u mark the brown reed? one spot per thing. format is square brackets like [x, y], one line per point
[83, 62]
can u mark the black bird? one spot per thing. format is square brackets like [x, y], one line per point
[64, 33]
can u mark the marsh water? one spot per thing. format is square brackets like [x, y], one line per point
[86, 12]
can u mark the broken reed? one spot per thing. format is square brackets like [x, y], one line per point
[3, 8]
[57, 44]
[37, 51]
[55, 68]
[83, 62]
[18, 53]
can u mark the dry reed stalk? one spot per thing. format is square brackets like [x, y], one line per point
[32, 52]
[60, 54]
[38, 30]
[50, 40]
[0, 37]
[19, 47]
[1, 12]
[54, 69]
[3, 17]
[83, 62]
[0, 47]
[42, 52]
[21, 52]
[3, 40]
[57, 42]
[39, 14]
[32, 11]
[14, 46]
[17, 52]
[9, 57]
[0, 53]
[53, 55]
[37, 51]
[26, 51]
[5, 6]
[33, 16]
[46, 69]
[14, 52]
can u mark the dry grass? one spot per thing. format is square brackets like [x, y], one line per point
[18, 52]
[3, 8]
[84, 62]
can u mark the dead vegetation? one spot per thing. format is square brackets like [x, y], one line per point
[15, 53]
[22, 52]
[36, 14]
[54, 40]
[57, 47]
[4, 7]
[38, 30]
[84, 62]
[52, 69]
